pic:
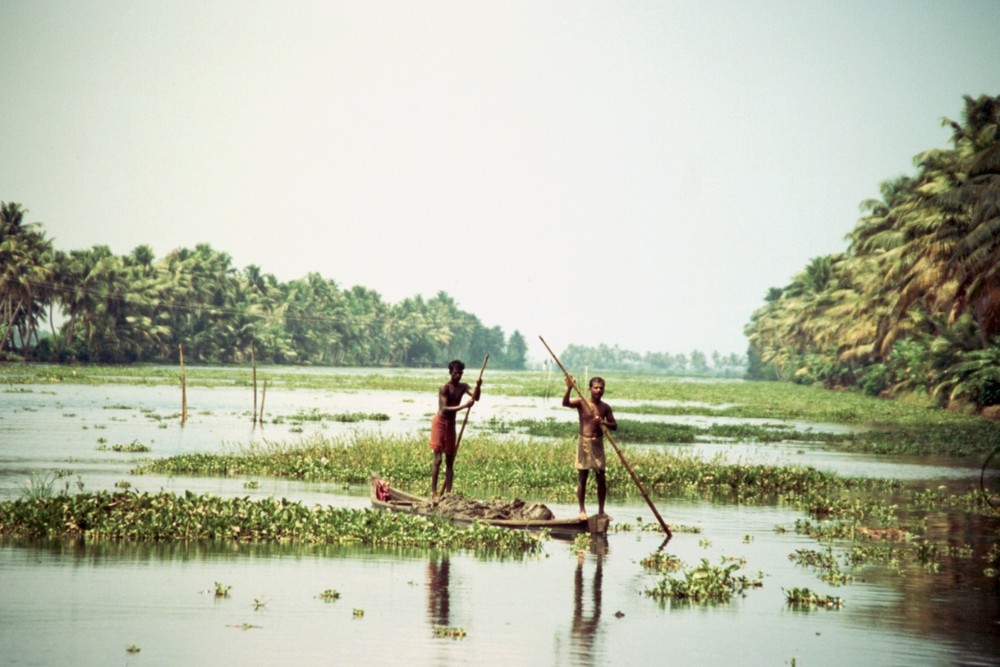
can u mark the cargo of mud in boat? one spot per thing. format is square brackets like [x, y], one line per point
[515, 515]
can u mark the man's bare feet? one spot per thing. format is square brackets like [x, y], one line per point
[582, 516]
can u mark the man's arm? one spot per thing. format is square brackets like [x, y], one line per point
[443, 396]
[475, 393]
[443, 399]
[609, 419]
[567, 402]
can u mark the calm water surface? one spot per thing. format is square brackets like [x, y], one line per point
[83, 604]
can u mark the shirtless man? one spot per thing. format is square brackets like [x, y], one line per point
[443, 442]
[590, 450]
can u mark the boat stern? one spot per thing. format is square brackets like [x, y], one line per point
[598, 524]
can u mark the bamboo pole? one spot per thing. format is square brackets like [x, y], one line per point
[263, 396]
[184, 398]
[607, 434]
[465, 420]
[253, 364]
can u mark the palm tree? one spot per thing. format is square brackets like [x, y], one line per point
[950, 225]
[974, 263]
[26, 278]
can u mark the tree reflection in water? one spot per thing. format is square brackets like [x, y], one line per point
[585, 622]
[437, 590]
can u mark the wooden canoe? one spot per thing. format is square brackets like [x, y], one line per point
[395, 500]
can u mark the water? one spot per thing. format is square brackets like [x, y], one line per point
[84, 604]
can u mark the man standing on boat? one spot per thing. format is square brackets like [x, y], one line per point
[595, 415]
[443, 440]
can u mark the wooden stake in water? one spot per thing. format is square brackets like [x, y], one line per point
[184, 398]
[263, 397]
[253, 364]
[607, 434]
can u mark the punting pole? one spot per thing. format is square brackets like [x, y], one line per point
[465, 420]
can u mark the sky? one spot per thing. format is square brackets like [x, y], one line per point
[631, 173]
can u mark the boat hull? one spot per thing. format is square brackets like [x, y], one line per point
[394, 500]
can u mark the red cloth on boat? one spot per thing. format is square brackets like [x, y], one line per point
[442, 435]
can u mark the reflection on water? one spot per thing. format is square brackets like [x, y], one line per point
[78, 551]
[587, 609]
[83, 603]
[437, 590]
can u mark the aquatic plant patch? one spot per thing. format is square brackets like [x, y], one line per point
[167, 516]
[39, 486]
[824, 561]
[805, 599]
[127, 447]
[316, 415]
[449, 632]
[660, 561]
[631, 431]
[489, 463]
[704, 583]
[651, 527]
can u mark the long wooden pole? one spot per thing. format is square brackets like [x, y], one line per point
[607, 434]
[465, 420]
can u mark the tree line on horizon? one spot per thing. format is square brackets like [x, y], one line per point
[136, 308]
[603, 358]
[913, 303]
[95, 306]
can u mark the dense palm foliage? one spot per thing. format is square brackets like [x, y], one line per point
[913, 304]
[137, 308]
[26, 269]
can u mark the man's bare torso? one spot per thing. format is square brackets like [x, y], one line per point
[586, 410]
[451, 395]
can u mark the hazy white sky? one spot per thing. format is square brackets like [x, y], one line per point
[634, 173]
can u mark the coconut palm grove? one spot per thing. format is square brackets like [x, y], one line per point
[913, 303]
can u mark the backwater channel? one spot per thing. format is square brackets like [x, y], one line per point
[84, 604]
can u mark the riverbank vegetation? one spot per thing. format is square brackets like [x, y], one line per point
[913, 304]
